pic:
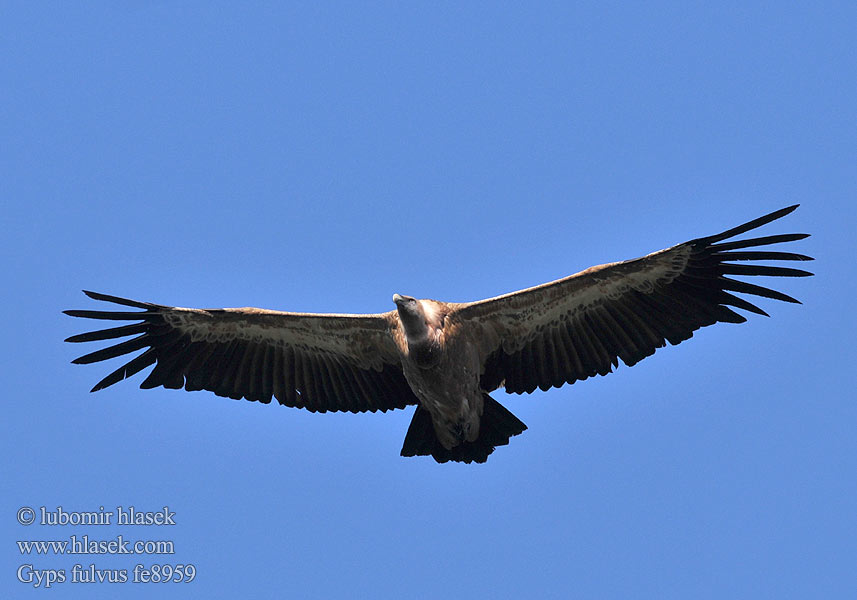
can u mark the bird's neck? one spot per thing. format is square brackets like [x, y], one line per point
[425, 353]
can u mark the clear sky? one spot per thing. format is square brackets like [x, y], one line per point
[319, 158]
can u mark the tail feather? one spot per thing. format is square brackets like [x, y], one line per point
[497, 426]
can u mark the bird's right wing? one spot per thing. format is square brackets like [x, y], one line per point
[575, 327]
[313, 361]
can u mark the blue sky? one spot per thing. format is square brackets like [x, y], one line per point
[313, 157]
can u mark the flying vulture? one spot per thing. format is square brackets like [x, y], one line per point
[446, 357]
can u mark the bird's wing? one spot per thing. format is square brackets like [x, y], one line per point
[573, 328]
[313, 361]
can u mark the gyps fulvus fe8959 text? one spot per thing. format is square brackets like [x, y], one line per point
[446, 357]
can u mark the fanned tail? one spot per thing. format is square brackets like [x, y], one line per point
[497, 426]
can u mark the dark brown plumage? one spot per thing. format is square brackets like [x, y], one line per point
[446, 357]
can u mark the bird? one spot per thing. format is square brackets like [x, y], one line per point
[445, 358]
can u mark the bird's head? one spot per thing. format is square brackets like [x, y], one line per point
[401, 300]
[414, 316]
[409, 308]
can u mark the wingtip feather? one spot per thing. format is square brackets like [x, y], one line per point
[750, 225]
[119, 300]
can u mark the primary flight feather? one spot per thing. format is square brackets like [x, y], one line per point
[446, 357]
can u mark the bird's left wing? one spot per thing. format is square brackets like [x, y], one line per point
[576, 327]
[314, 361]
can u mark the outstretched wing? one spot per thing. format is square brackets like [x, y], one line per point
[312, 361]
[576, 327]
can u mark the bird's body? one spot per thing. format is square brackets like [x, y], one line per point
[443, 371]
[447, 357]
[449, 390]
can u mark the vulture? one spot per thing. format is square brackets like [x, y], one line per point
[446, 357]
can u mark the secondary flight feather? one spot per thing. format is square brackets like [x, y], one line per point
[446, 357]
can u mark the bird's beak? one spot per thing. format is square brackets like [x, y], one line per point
[398, 299]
